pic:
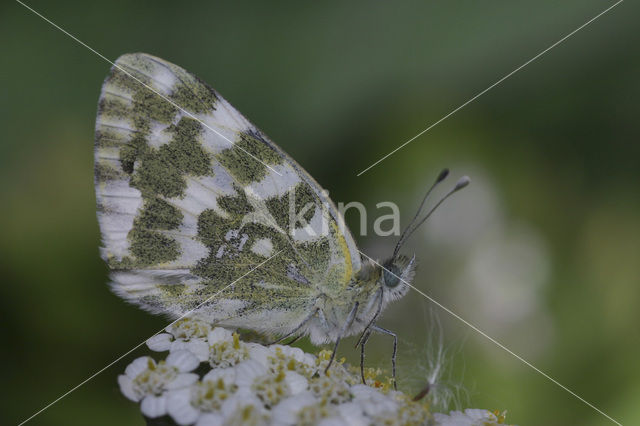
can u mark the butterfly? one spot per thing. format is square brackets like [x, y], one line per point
[192, 197]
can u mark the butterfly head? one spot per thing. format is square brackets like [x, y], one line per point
[397, 272]
[397, 275]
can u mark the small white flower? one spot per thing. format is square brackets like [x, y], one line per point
[271, 388]
[209, 395]
[198, 347]
[286, 412]
[373, 402]
[210, 419]
[187, 406]
[352, 414]
[189, 328]
[247, 372]
[330, 390]
[219, 334]
[296, 382]
[259, 353]
[318, 413]
[470, 417]
[291, 359]
[295, 353]
[244, 408]
[334, 421]
[226, 349]
[147, 381]
[185, 334]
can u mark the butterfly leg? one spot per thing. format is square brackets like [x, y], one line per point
[373, 319]
[350, 318]
[295, 339]
[363, 341]
[395, 350]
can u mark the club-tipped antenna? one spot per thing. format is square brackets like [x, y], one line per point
[441, 176]
[462, 182]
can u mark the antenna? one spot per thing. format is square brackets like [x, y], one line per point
[411, 228]
[442, 176]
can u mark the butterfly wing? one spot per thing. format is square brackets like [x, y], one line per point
[191, 197]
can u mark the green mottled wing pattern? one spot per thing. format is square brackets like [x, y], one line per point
[191, 197]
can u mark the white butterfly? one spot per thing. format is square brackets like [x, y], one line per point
[191, 196]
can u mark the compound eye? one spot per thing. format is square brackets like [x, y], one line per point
[390, 275]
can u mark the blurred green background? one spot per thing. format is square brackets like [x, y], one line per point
[542, 251]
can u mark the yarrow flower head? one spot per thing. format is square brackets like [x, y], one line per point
[242, 383]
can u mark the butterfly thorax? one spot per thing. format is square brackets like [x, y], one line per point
[370, 290]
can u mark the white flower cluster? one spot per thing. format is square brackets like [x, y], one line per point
[211, 377]
[470, 417]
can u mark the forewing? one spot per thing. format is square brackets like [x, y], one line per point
[191, 197]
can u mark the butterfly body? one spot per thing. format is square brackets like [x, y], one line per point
[192, 198]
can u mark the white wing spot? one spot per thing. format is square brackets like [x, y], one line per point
[276, 183]
[263, 247]
[158, 136]
[165, 80]
[221, 129]
[316, 228]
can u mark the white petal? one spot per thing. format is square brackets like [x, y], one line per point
[242, 398]
[160, 342]
[228, 375]
[458, 418]
[183, 360]
[218, 335]
[260, 353]
[470, 417]
[154, 406]
[247, 371]
[352, 413]
[480, 414]
[182, 380]
[286, 412]
[297, 383]
[137, 366]
[296, 353]
[373, 402]
[210, 419]
[198, 347]
[126, 388]
[179, 407]
[333, 421]
[309, 359]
